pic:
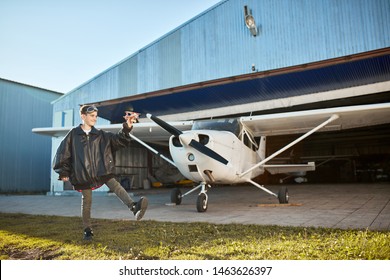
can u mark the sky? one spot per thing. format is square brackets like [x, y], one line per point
[60, 44]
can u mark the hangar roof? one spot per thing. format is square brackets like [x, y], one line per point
[338, 73]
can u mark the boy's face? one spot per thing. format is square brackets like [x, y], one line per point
[89, 119]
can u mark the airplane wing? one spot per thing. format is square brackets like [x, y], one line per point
[52, 131]
[303, 121]
[262, 125]
[147, 131]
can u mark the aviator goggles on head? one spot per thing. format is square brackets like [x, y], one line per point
[89, 109]
[127, 113]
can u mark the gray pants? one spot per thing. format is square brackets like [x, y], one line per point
[86, 200]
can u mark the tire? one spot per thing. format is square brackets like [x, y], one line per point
[176, 196]
[201, 202]
[283, 195]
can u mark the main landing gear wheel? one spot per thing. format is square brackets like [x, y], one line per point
[283, 195]
[176, 196]
[201, 202]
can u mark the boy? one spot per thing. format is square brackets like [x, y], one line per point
[85, 158]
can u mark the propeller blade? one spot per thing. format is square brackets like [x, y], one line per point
[169, 128]
[193, 143]
[207, 151]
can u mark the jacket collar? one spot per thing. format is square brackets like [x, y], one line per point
[79, 130]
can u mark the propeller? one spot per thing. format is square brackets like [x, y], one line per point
[193, 143]
[171, 129]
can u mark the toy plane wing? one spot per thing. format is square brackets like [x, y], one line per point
[302, 121]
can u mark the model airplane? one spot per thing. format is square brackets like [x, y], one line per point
[224, 151]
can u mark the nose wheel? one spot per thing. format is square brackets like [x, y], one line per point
[201, 202]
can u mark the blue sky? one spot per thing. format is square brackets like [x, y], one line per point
[60, 44]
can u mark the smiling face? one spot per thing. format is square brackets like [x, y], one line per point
[89, 119]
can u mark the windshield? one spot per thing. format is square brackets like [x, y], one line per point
[231, 125]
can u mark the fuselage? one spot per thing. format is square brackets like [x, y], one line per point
[199, 167]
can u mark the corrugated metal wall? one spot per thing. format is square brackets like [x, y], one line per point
[25, 159]
[217, 44]
[132, 163]
[137, 164]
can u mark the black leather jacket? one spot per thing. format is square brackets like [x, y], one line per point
[89, 160]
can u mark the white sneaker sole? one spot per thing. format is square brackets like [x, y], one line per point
[144, 205]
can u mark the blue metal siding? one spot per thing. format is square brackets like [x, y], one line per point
[127, 77]
[25, 159]
[291, 32]
[303, 31]
[217, 44]
[297, 32]
[170, 62]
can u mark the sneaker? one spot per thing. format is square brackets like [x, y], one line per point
[88, 233]
[139, 208]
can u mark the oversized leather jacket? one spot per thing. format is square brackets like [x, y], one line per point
[89, 160]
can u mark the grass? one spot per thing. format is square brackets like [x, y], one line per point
[52, 237]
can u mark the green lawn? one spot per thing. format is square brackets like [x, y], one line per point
[52, 237]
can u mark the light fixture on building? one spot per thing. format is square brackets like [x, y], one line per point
[250, 21]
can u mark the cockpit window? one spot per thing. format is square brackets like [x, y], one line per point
[249, 141]
[231, 125]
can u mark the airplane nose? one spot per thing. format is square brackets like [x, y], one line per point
[186, 138]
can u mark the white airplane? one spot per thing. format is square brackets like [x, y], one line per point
[224, 151]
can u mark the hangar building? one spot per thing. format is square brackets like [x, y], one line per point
[243, 57]
[24, 157]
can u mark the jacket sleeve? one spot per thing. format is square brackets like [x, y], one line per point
[122, 138]
[62, 163]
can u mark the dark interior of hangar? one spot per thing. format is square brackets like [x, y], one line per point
[356, 155]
